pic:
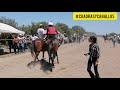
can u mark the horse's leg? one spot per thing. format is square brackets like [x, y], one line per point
[36, 56]
[43, 55]
[57, 58]
[52, 58]
[49, 56]
[56, 46]
[49, 52]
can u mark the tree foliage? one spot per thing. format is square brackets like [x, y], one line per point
[112, 34]
[78, 30]
[8, 21]
[31, 29]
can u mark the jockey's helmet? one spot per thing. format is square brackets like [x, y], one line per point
[50, 23]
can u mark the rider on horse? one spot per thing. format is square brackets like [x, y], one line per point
[51, 32]
[40, 32]
[52, 42]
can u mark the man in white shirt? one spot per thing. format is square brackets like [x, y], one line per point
[83, 38]
[32, 38]
[114, 41]
[40, 32]
[21, 43]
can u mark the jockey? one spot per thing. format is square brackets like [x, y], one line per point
[51, 31]
[40, 32]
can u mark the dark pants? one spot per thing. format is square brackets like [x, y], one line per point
[10, 47]
[15, 47]
[90, 62]
[21, 47]
[50, 39]
[52, 36]
[25, 46]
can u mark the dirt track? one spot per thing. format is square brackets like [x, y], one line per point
[72, 63]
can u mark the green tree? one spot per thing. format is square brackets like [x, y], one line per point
[112, 34]
[63, 28]
[8, 21]
[78, 30]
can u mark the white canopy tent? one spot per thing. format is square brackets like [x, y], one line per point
[4, 28]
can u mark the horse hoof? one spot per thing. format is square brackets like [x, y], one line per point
[53, 65]
[42, 60]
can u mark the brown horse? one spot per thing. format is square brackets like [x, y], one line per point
[41, 45]
[52, 50]
[36, 48]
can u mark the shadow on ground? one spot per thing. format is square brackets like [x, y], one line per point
[44, 65]
[5, 53]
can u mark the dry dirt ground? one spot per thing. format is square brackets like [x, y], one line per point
[72, 64]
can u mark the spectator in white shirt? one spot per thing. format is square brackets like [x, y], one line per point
[33, 38]
[21, 42]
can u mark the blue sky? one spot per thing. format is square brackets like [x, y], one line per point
[99, 27]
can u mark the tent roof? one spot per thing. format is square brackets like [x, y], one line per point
[4, 28]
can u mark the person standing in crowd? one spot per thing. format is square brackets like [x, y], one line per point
[118, 39]
[60, 38]
[10, 42]
[15, 43]
[94, 54]
[24, 43]
[28, 42]
[40, 32]
[114, 41]
[83, 38]
[79, 38]
[21, 44]
[32, 38]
